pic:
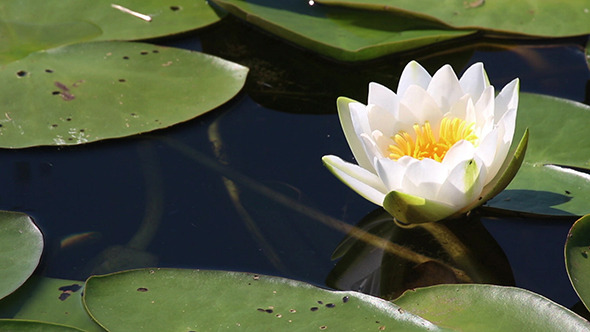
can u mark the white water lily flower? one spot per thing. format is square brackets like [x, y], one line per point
[436, 148]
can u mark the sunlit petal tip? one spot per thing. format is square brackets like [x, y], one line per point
[410, 209]
[474, 80]
[357, 178]
[413, 74]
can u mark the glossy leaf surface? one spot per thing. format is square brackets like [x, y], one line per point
[116, 24]
[91, 91]
[553, 178]
[471, 307]
[577, 250]
[340, 33]
[21, 245]
[185, 300]
[57, 301]
[532, 17]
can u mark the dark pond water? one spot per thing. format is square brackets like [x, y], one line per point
[259, 200]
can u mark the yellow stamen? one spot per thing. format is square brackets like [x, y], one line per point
[425, 145]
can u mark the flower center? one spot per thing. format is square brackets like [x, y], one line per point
[426, 145]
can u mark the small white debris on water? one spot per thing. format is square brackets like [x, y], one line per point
[144, 17]
[311, 2]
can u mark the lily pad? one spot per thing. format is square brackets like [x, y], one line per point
[27, 325]
[185, 300]
[165, 17]
[554, 177]
[577, 261]
[18, 40]
[21, 245]
[91, 91]
[340, 33]
[50, 300]
[470, 307]
[533, 17]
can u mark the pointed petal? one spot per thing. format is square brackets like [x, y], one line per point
[462, 107]
[464, 184]
[392, 172]
[350, 132]
[505, 175]
[380, 119]
[444, 88]
[474, 80]
[357, 178]
[459, 152]
[410, 209]
[413, 74]
[383, 97]
[422, 106]
[424, 178]
[507, 99]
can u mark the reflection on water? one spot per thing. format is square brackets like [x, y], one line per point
[251, 194]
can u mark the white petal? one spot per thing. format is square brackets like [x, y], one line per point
[459, 152]
[413, 74]
[373, 150]
[382, 143]
[390, 172]
[423, 107]
[380, 119]
[507, 99]
[462, 107]
[357, 178]
[474, 80]
[383, 97]
[461, 186]
[424, 178]
[505, 134]
[444, 88]
[354, 121]
[486, 150]
[484, 112]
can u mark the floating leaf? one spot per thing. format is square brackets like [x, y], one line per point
[184, 300]
[51, 300]
[577, 260]
[21, 245]
[532, 17]
[340, 33]
[91, 91]
[115, 22]
[554, 178]
[18, 40]
[471, 307]
[26, 325]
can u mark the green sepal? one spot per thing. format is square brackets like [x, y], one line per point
[505, 175]
[410, 209]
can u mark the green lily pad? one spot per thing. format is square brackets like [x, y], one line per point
[26, 325]
[18, 40]
[554, 177]
[577, 261]
[56, 301]
[116, 24]
[91, 91]
[533, 17]
[21, 245]
[469, 307]
[193, 300]
[340, 33]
